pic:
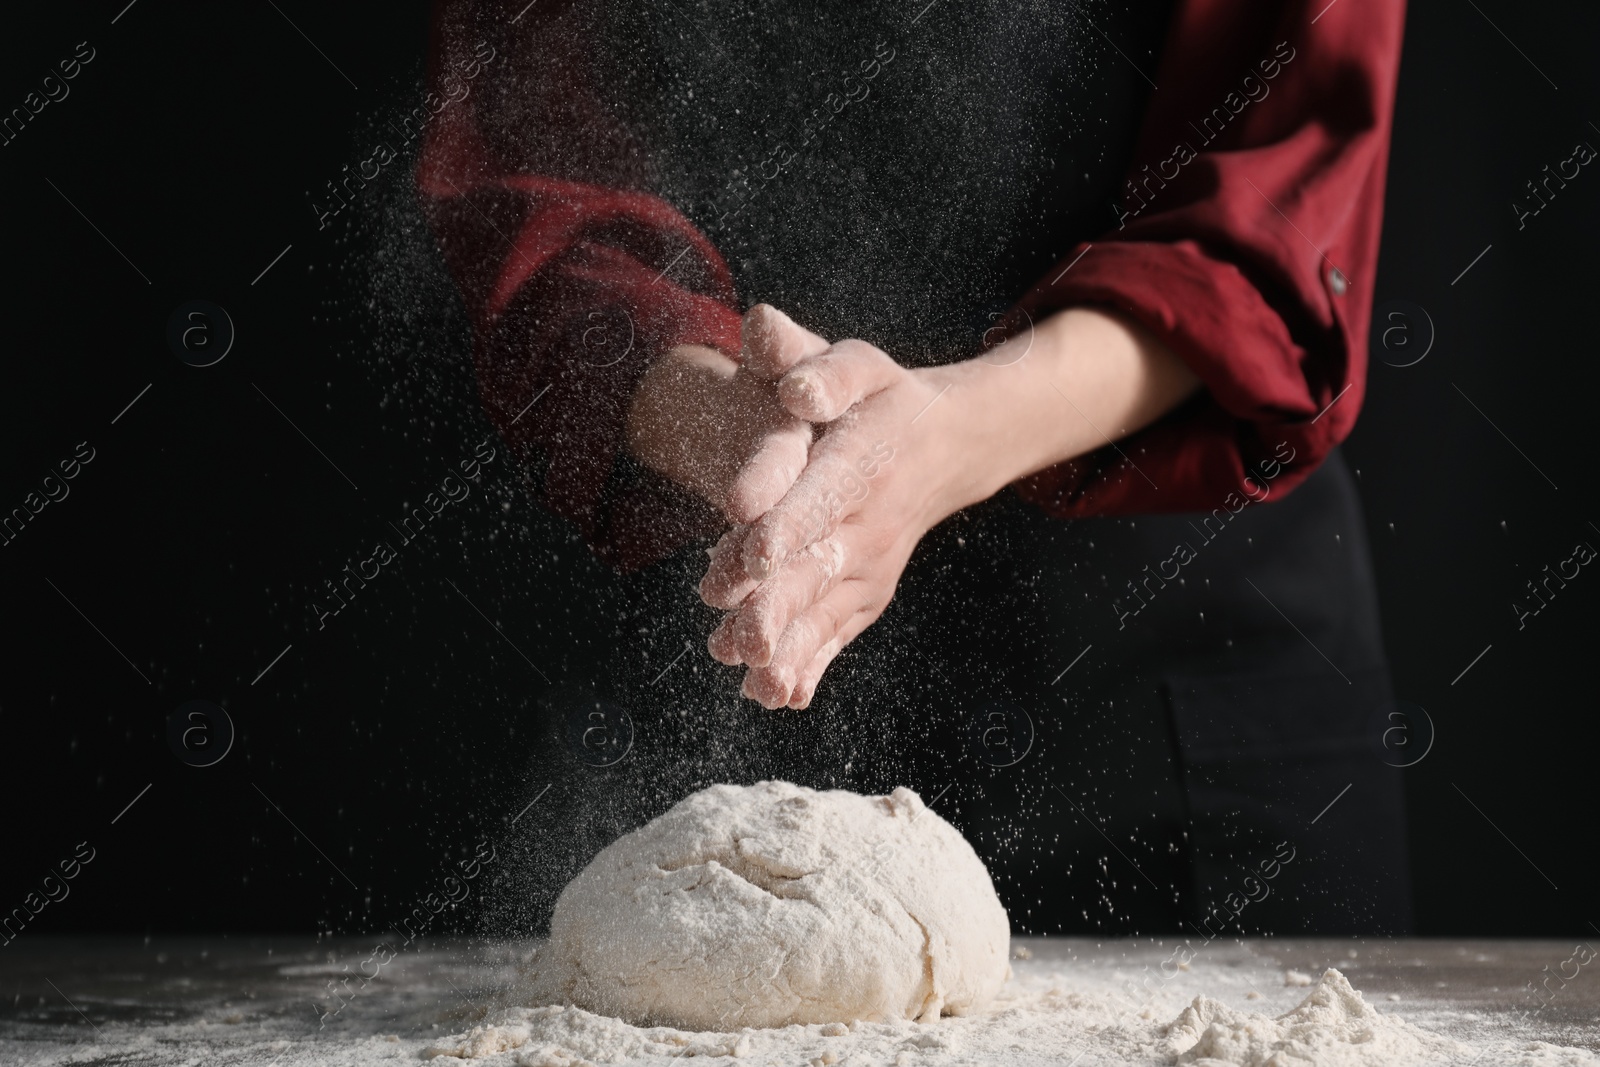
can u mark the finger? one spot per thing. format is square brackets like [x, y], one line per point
[767, 475]
[773, 685]
[822, 388]
[826, 491]
[730, 541]
[805, 686]
[726, 583]
[772, 342]
[767, 612]
[721, 644]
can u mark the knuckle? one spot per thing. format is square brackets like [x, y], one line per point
[746, 627]
[770, 531]
[773, 542]
[823, 386]
[863, 355]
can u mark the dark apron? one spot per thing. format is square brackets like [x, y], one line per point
[1162, 758]
[1122, 771]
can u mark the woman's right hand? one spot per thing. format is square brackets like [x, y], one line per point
[714, 425]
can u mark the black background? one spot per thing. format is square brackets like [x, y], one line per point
[407, 730]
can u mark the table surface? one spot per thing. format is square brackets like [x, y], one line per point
[261, 1000]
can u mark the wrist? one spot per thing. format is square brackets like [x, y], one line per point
[964, 453]
[1074, 382]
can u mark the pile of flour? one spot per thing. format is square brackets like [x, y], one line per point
[1332, 1026]
[770, 905]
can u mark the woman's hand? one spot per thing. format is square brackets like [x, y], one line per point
[898, 456]
[820, 567]
[714, 424]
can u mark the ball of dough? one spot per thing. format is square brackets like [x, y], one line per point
[774, 904]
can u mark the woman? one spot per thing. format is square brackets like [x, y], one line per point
[1011, 265]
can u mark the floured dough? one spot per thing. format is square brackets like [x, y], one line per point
[774, 904]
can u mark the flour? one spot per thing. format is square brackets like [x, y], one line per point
[1077, 1002]
[1333, 1026]
[1037, 1019]
[773, 905]
[777, 925]
[830, 554]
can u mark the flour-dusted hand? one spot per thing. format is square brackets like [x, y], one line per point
[715, 425]
[819, 385]
[819, 567]
[902, 450]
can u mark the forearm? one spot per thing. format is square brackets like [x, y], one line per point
[1072, 384]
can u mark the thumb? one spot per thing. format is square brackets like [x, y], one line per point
[772, 342]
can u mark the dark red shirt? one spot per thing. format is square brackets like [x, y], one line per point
[1247, 241]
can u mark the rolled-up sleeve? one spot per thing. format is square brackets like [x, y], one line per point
[1246, 240]
[574, 277]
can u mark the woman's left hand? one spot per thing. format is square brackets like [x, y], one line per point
[821, 566]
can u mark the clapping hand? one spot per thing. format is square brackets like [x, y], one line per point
[833, 461]
[820, 565]
[714, 424]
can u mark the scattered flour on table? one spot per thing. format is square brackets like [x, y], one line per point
[1035, 1020]
[771, 905]
[1332, 1026]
